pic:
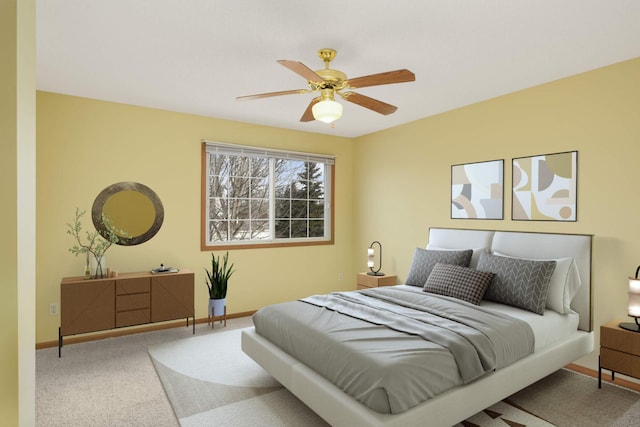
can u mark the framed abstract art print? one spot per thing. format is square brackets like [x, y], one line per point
[545, 187]
[477, 190]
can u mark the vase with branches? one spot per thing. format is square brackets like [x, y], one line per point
[94, 243]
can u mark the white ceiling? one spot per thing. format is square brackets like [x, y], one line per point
[197, 56]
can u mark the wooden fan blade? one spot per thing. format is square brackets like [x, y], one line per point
[301, 69]
[397, 76]
[307, 116]
[270, 94]
[370, 103]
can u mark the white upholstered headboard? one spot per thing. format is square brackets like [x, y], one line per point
[529, 245]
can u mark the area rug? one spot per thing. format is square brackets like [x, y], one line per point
[210, 381]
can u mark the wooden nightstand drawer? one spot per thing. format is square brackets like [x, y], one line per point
[618, 361]
[612, 336]
[366, 281]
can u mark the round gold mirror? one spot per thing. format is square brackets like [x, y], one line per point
[130, 210]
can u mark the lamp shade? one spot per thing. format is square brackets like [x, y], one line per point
[634, 297]
[370, 260]
[327, 110]
[634, 304]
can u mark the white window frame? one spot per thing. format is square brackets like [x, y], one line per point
[216, 148]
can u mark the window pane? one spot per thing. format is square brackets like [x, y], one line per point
[259, 167]
[218, 231]
[240, 230]
[217, 209]
[239, 209]
[298, 228]
[283, 208]
[259, 188]
[298, 209]
[214, 186]
[283, 228]
[238, 187]
[316, 228]
[260, 229]
[316, 209]
[260, 209]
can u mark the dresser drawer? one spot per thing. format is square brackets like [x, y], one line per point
[134, 317]
[618, 361]
[133, 286]
[132, 302]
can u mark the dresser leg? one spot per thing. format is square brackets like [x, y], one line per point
[59, 343]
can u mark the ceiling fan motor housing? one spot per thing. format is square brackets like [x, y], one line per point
[332, 78]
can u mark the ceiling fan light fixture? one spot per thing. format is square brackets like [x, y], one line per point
[327, 111]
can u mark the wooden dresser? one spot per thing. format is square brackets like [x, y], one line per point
[90, 305]
[619, 351]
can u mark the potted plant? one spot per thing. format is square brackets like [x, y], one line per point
[217, 281]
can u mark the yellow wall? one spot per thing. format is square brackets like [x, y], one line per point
[85, 145]
[402, 175]
[17, 246]
[8, 216]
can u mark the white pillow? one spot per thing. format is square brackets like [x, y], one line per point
[564, 284]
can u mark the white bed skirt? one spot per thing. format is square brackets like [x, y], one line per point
[447, 409]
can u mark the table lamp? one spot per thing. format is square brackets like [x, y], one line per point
[634, 303]
[370, 259]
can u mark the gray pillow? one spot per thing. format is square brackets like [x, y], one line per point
[458, 282]
[424, 260]
[521, 283]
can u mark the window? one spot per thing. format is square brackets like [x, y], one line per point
[255, 196]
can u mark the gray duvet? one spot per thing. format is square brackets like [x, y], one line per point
[392, 348]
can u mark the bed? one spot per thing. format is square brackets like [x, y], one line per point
[288, 338]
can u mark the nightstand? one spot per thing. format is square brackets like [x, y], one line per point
[366, 281]
[619, 351]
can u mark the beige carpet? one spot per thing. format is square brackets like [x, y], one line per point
[210, 381]
[567, 398]
[109, 382]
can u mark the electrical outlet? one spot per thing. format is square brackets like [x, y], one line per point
[53, 309]
[340, 277]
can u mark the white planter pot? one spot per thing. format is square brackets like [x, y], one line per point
[216, 306]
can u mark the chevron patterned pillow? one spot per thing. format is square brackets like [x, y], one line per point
[458, 282]
[517, 282]
[424, 260]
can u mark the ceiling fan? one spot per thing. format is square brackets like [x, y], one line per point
[330, 82]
